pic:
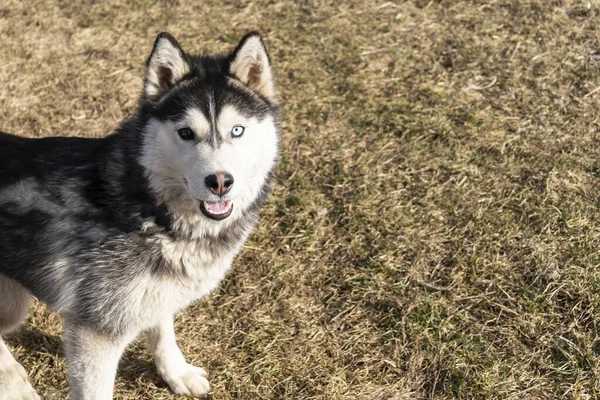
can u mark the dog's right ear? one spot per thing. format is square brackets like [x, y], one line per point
[166, 66]
[251, 65]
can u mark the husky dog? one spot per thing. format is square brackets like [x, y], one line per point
[118, 234]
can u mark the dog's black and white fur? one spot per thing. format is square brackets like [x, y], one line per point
[118, 234]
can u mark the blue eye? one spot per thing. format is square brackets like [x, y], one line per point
[237, 131]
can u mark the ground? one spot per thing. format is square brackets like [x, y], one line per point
[434, 230]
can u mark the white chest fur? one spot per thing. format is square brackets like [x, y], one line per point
[192, 270]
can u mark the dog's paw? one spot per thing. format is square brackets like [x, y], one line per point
[13, 382]
[187, 379]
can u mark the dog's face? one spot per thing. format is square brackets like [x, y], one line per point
[211, 137]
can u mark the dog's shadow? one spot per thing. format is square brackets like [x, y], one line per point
[135, 363]
[35, 341]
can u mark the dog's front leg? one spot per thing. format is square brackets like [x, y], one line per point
[181, 377]
[92, 360]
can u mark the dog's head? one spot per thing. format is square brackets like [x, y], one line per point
[211, 134]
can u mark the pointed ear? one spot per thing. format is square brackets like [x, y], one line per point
[165, 67]
[250, 64]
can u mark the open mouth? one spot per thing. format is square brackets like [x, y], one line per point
[216, 210]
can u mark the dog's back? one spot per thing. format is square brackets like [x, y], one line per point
[22, 158]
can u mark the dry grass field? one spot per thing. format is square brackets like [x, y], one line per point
[434, 232]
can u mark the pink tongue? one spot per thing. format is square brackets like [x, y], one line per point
[217, 207]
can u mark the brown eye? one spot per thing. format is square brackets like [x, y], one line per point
[186, 134]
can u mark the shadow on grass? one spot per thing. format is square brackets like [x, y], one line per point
[135, 366]
[35, 341]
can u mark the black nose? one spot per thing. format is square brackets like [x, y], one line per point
[219, 183]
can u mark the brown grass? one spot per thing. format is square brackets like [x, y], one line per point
[425, 239]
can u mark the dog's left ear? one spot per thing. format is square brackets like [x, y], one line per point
[166, 66]
[250, 64]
